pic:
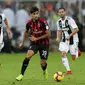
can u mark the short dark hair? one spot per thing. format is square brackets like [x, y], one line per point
[34, 9]
[62, 8]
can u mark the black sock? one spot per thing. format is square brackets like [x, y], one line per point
[44, 67]
[24, 65]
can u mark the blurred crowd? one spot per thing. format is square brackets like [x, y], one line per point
[17, 14]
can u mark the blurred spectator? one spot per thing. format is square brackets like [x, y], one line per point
[22, 17]
[74, 9]
[9, 2]
[44, 12]
[9, 13]
[80, 33]
[49, 7]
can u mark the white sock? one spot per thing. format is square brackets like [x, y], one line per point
[66, 63]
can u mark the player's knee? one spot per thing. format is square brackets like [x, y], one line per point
[30, 54]
[63, 53]
[43, 62]
[28, 57]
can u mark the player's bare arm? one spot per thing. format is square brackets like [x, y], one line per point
[24, 38]
[74, 32]
[32, 38]
[59, 34]
[7, 27]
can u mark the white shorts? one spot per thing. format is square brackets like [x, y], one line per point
[64, 46]
[1, 45]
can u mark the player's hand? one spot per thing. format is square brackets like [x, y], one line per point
[68, 38]
[21, 45]
[32, 38]
[58, 40]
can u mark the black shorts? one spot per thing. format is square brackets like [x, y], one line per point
[43, 50]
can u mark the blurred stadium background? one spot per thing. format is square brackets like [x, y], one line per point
[17, 14]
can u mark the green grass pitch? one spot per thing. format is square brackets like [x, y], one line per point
[10, 66]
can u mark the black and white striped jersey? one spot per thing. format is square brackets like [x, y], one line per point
[67, 26]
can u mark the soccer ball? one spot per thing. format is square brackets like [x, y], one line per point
[58, 76]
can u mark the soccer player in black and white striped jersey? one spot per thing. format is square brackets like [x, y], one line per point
[67, 37]
[3, 21]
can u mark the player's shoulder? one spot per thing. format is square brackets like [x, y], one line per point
[69, 18]
[29, 21]
[59, 20]
[43, 20]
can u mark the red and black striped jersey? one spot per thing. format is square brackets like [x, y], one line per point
[38, 28]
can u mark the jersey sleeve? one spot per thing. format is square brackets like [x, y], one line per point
[27, 27]
[3, 17]
[73, 23]
[45, 25]
[58, 27]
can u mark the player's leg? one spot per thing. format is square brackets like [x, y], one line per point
[44, 68]
[63, 47]
[30, 53]
[66, 62]
[44, 56]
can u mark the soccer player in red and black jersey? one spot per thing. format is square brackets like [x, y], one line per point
[39, 38]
